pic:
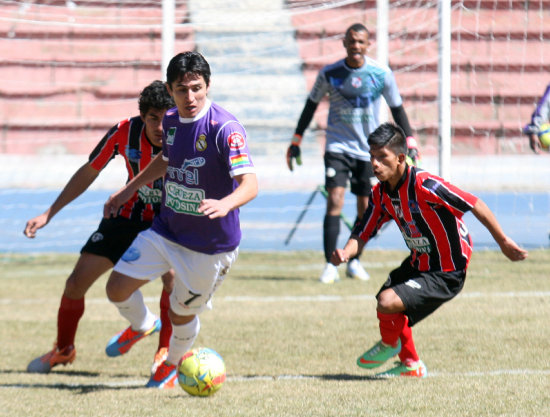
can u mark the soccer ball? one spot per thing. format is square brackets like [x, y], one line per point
[544, 135]
[201, 372]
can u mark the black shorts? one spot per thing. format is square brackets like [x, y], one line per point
[340, 167]
[423, 292]
[113, 237]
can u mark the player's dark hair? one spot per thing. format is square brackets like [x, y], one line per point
[357, 27]
[155, 96]
[185, 62]
[389, 135]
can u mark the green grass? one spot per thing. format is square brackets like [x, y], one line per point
[290, 344]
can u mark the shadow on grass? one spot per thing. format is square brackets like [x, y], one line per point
[323, 377]
[78, 388]
[57, 372]
[348, 377]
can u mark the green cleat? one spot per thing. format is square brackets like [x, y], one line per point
[416, 369]
[378, 354]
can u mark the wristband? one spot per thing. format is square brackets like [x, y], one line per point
[296, 139]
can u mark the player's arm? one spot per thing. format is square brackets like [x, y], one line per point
[155, 169]
[400, 117]
[293, 151]
[484, 214]
[78, 183]
[245, 192]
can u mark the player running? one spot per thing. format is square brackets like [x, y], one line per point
[428, 211]
[137, 140]
[355, 86]
[209, 174]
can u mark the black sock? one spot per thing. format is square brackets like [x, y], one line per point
[331, 230]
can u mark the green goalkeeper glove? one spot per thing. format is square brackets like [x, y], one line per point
[413, 154]
[293, 151]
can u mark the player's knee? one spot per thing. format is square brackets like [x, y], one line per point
[180, 320]
[168, 281]
[389, 302]
[74, 287]
[115, 289]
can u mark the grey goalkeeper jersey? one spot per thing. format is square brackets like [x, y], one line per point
[355, 98]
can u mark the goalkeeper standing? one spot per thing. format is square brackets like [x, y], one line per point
[355, 86]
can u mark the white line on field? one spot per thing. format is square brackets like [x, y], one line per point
[291, 298]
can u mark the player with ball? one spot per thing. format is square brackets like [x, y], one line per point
[428, 211]
[538, 130]
[208, 174]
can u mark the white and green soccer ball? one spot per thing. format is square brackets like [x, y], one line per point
[201, 372]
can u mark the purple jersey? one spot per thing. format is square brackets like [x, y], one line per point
[204, 154]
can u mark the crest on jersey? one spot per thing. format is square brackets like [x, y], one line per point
[236, 141]
[134, 155]
[200, 144]
[356, 82]
[170, 136]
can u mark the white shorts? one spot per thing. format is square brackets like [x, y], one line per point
[197, 275]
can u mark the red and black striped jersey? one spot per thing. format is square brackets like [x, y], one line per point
[128, 139]
[428, 211]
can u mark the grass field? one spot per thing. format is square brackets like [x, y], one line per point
[290, 344]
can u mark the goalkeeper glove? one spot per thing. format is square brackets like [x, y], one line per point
[293, 151]
[413, 153]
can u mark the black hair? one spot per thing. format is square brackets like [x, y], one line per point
[389, 135]
[155, 96]
[357, 27]
[185, 62]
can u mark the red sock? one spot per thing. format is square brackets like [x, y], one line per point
[408, 350]
[391, 326]
[69, 314]
[166, 329]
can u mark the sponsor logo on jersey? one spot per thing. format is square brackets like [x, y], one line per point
[236, 141]
[190, 176]
[419, 244]
[170, 136]
[134, 155]
[149, 195]
[182, 199]
[238, 160]
[200, 144]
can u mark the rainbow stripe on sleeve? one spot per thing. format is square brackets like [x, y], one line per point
[238, 160]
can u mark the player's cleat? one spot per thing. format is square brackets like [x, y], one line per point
[378, 354]
[356, 271]
[123, 341]
[164, 377]
[44, 364]
[330, 274]
[408, 368]
[160, 357]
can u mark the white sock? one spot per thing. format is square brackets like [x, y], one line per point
[182, 339]
[136, 312]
